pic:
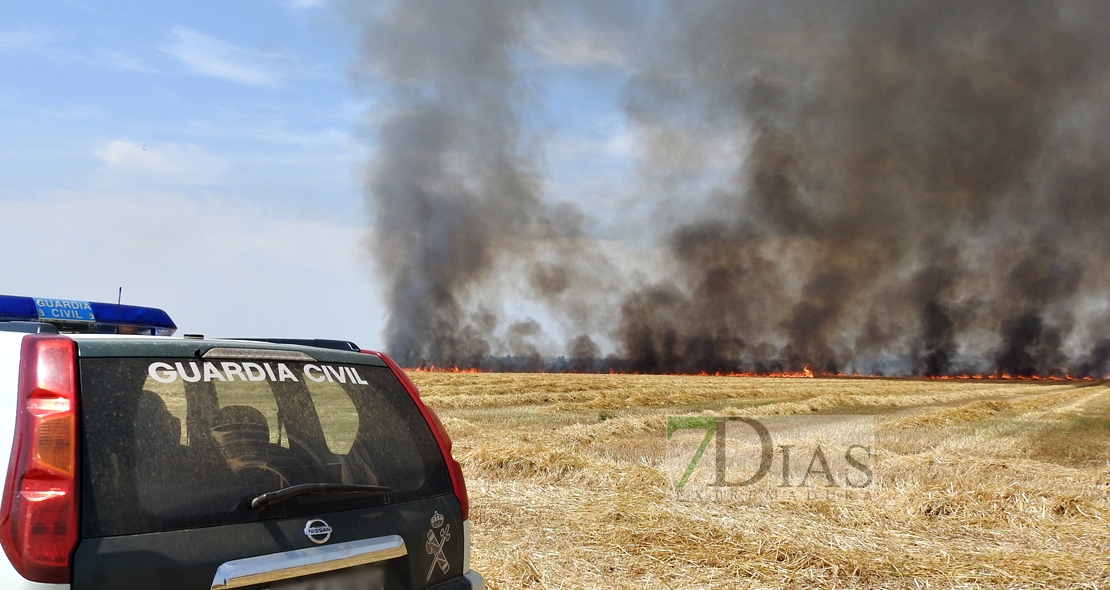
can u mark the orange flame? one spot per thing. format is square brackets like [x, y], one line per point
[435, 369]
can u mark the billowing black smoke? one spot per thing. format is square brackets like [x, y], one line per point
[872, 186]
[452, 177]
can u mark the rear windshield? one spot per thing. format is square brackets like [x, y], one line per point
[181, 443]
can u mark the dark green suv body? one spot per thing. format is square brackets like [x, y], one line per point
[151, 462]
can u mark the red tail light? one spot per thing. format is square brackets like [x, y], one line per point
[38, 517]
[457, 481]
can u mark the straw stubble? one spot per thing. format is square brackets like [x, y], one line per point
[568, 489]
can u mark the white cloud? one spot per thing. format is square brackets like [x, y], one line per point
[209, 56]
[564, 44]
[27, 39]
[218, 266]
[309, 3]
[119, 59]
[74, 112]
[276, 130]
[47, 42]
[162, 163]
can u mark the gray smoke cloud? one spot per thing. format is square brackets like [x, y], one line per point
[872, 186]
[452, 177]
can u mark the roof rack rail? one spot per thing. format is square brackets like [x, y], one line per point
[27, 327]
[314, 342]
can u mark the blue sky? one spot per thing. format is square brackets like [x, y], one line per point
[207, 157]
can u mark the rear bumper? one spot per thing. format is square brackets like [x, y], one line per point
[471, 580]
[475, 579]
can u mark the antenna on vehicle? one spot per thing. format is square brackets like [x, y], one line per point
[119, 303]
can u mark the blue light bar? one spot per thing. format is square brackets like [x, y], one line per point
[87, 316]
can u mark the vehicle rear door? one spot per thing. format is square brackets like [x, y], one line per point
[179, 452]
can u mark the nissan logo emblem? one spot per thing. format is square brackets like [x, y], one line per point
[317, 531]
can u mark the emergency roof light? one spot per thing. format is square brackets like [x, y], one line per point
[87, 316]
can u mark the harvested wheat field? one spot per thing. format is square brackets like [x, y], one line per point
[977, 484]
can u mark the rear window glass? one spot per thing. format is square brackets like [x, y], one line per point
[180, 443]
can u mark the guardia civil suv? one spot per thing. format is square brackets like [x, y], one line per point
[136, 460]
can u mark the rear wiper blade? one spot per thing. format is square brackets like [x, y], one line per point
[260, 503]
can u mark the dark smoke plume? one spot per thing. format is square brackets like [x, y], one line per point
[452, 175]
[916, 188]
